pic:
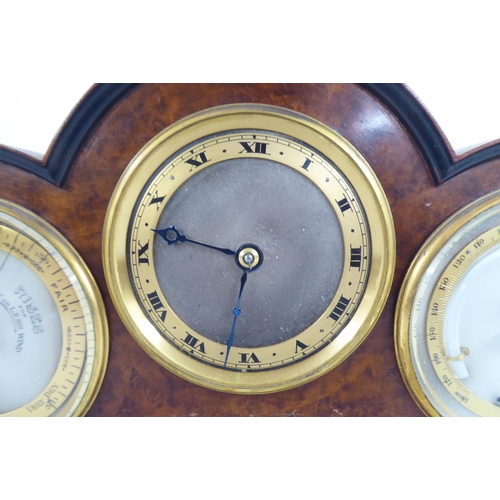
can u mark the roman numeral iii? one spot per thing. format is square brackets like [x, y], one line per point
[355, 257]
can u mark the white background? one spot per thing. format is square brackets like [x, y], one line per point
[32, 113]
[451, 47]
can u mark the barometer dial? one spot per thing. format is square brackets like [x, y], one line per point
[53, 347]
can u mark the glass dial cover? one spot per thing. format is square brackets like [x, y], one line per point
[53, 347]
[447, 324]
[249, 248]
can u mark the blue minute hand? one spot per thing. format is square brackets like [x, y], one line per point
[172, 235]
[236, 313]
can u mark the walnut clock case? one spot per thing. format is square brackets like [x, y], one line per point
[304, 252]
[373, 119]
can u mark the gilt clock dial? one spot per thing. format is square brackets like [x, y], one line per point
[249, 248]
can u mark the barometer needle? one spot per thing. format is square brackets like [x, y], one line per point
[7, 256]
[4, 261]
[236, 313]
[464, 351]
[172, 235]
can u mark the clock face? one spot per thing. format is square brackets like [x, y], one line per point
[249, 248]
[447, 328]
[54, 338]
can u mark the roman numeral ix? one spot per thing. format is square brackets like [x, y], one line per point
[143, 253]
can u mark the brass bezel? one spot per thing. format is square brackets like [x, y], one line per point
[275, 120]
[96, 306]
[414, 276]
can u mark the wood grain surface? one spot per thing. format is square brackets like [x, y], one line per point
[368, 383]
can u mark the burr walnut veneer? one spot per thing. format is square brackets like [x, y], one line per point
[368, 383]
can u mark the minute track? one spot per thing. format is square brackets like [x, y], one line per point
[252, 184]
[227, 142]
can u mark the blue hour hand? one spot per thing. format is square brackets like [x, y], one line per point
[172, 235]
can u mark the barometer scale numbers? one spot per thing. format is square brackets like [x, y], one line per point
[435, 318]
[72, 376]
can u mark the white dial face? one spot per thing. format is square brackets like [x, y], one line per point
[51, 343]
[454, 336]
[31, 342]
[472, 326]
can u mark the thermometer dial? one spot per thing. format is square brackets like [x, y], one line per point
[448, 320]
[53, 342]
